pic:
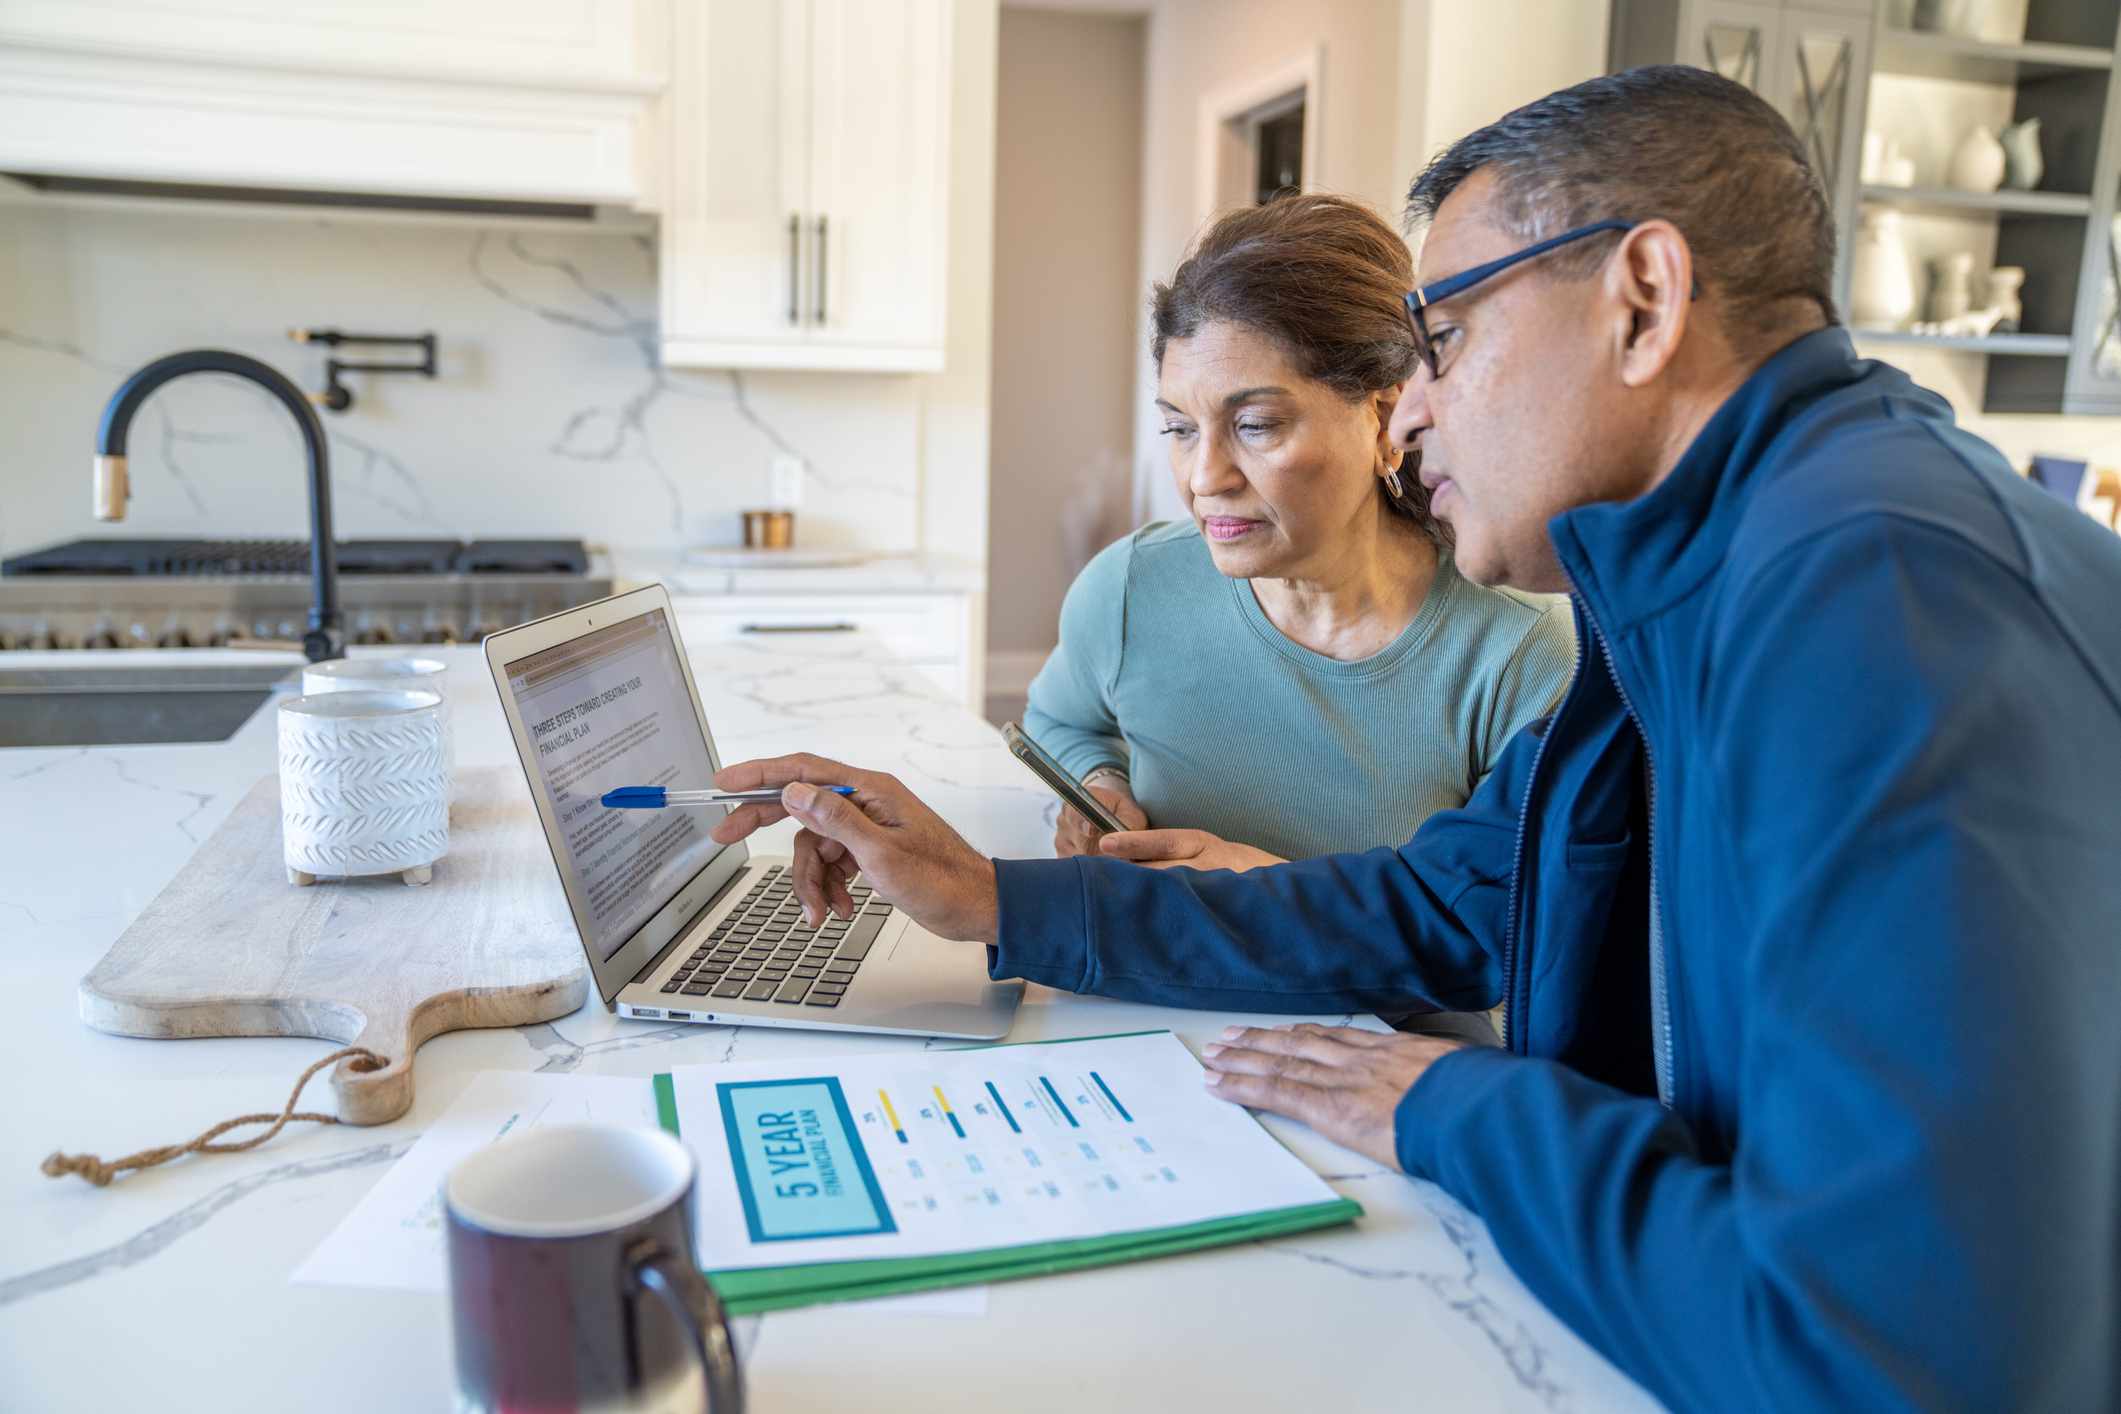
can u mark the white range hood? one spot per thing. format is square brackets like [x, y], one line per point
[506, 100]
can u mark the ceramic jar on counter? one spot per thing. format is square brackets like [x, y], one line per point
[388, 675]
[364, 785]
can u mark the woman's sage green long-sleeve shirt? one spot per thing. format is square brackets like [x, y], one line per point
[1172, 671]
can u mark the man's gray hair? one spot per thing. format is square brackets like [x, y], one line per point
[1670, 141]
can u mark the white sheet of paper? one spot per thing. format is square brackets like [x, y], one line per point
[954, 1151]
[394, 1236]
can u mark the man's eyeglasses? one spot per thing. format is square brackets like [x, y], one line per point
[1418, 301]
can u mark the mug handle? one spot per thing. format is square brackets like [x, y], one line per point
[691, 1302]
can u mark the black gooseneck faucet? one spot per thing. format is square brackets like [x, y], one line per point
[325, 638]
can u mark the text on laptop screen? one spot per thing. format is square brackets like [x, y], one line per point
[610, 709]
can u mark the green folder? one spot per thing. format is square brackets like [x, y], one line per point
[749, 1290]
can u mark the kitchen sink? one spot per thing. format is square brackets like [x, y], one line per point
[105, 704]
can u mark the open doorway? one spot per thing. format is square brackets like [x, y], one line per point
[1278, 141]
[1259, 138]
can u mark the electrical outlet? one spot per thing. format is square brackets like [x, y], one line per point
[785, 482]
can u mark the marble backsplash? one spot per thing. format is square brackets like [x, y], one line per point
[552, 414]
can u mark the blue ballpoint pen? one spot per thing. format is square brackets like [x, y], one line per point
[656, 797]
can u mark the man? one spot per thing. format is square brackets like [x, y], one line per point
[1803, 905]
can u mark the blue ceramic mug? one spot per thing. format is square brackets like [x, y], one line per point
[572, 1279]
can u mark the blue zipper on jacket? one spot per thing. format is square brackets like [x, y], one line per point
[1660, 996]
[1524, 813]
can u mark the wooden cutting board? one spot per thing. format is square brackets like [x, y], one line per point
[231, 948]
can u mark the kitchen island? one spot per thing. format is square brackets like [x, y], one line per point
[170, 1288]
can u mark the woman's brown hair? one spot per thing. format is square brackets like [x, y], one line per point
[1323, 277]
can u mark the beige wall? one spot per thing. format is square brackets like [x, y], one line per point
[1481, 60]
[1200, 48]
[1067, 296]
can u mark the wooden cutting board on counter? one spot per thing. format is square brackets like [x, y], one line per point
[231, 948]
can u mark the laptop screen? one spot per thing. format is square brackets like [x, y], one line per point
[610, 709]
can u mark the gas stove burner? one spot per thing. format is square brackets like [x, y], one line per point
[523, 557]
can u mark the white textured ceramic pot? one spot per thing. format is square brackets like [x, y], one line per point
[388, 675]
[364, 787]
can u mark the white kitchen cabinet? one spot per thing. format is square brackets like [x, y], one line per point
[929, 633]
[559, 42]
[522, 100]
[806, 197]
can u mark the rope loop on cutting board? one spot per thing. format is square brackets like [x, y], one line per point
[100, 1172]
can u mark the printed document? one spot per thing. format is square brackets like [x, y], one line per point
[942, 1152]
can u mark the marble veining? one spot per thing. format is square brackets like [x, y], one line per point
[200, 800]
[158, 1236]
[172, 437]
[57, 756]
[1461, 1289]
[596, 433]
[1465, 1293]
[563, 1056]
[553, 413]
[400, 492]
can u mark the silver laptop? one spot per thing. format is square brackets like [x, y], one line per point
[678, 928]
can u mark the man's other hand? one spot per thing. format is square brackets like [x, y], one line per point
[1184, 849]
[882, 832]
[1344, 1083]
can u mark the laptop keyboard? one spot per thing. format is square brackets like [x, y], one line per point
[762, 951]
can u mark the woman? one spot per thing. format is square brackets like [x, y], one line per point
[1298, 669]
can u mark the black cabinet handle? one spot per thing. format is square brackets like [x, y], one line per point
[821, 270]
[795, 268]
[799, 628]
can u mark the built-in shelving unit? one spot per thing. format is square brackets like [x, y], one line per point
[2061, 72]
[2035, 345]
[1948, 56]
[1837, 68]
[2023, 203]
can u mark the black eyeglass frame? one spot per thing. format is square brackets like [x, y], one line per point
[1418, 301]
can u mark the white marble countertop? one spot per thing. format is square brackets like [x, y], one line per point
[170, 1289]
[873, 574]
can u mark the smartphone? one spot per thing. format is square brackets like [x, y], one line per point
[1057, 779]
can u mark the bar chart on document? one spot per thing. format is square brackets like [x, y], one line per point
[1032, 1140]
[954, 1151]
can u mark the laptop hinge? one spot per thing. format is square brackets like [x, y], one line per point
[684, 929]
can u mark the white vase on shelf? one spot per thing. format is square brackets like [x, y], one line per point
[1959, 17]
[2004, 285]
[1881, 284]
[1951, 285]
[2022, 166]
[1978, 161]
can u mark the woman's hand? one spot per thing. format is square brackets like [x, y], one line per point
[1076, 835]
[1190, 849]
